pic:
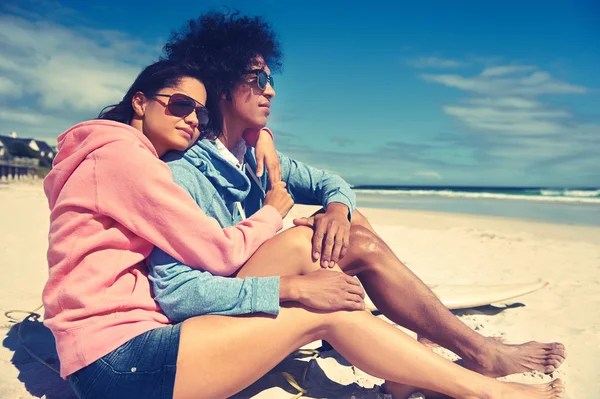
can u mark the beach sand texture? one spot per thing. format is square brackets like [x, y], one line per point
[440, 248]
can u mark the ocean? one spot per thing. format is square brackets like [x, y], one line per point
[579, 206]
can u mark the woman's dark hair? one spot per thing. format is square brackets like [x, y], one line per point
[223, 46]
[155, 77]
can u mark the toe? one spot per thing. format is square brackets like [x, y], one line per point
[549, 369]
[558, 349]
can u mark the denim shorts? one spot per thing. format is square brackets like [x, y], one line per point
[143, 367]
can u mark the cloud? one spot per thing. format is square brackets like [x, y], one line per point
[53, 76]
[429, 175]
[435, 62]
[510, 119]
[506, 70]
[510, 125]
[533, 85]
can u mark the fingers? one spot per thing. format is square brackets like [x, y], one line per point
[353, 305]
[317, 242]
[357, 290]
[344, 246]
[260, 166]
[338, 244]
[309, 222]
[328, 244]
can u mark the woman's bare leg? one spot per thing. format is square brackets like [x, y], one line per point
[220, 355]
[286, 254]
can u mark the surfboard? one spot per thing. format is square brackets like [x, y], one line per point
[470, 296]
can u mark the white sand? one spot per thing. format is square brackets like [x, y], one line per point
[440, 248]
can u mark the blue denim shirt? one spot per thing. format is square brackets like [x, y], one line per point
[216, 185]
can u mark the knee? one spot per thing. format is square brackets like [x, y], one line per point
[298, 241]
[364, 240]
[366, 245]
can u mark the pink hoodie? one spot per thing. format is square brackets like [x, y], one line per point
[111, 201]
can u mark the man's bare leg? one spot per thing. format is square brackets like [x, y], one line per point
[405, 299]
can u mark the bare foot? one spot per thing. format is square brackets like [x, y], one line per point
[511, 390]
[503, 359]
[504, 390]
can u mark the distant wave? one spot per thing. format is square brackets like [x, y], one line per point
[545, 195]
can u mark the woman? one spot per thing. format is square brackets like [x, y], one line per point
[112, 200]
[308, 312]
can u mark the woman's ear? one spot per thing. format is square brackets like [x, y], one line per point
[138, 102]
[226, 96]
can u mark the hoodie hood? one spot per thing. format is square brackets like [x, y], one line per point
[77, 143]
[231, 182]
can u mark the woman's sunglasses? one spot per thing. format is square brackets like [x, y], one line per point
[181, 106]
[261, 78]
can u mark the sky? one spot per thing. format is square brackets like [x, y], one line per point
[493, 93]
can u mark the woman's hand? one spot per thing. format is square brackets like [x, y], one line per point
[279, 198]
[267, 155]
[324, 290]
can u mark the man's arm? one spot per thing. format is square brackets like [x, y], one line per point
[309, 185]
[312, 186]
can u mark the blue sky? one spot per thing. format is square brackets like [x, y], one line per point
[441, 93]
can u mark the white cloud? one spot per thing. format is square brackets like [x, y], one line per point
[511, 119]
[502, 102]
[63, 74]
[505, 99]
[533, 85]
[435, 62]
[513, 127]
[506, 70]
[429, 175]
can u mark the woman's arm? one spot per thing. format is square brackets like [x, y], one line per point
[138, 191]
[183, 292]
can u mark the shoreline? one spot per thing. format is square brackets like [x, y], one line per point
[565, 213]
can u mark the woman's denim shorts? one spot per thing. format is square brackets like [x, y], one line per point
[143, 367]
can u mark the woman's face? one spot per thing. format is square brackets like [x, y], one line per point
[249, 104]
[166, 131]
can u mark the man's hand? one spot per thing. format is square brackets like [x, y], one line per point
[267, 155]
[332, 234]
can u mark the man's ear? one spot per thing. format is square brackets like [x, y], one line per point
[138, 102]
[226, 96]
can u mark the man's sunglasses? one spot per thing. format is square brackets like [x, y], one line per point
[261, 78]
[181, 106]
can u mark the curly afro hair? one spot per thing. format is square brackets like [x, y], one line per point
[223, 46]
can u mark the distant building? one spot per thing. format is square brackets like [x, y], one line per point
[13, 146]
[46, 151]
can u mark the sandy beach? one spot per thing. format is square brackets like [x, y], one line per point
[438, 247]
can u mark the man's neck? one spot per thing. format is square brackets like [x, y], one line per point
[232, 134]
